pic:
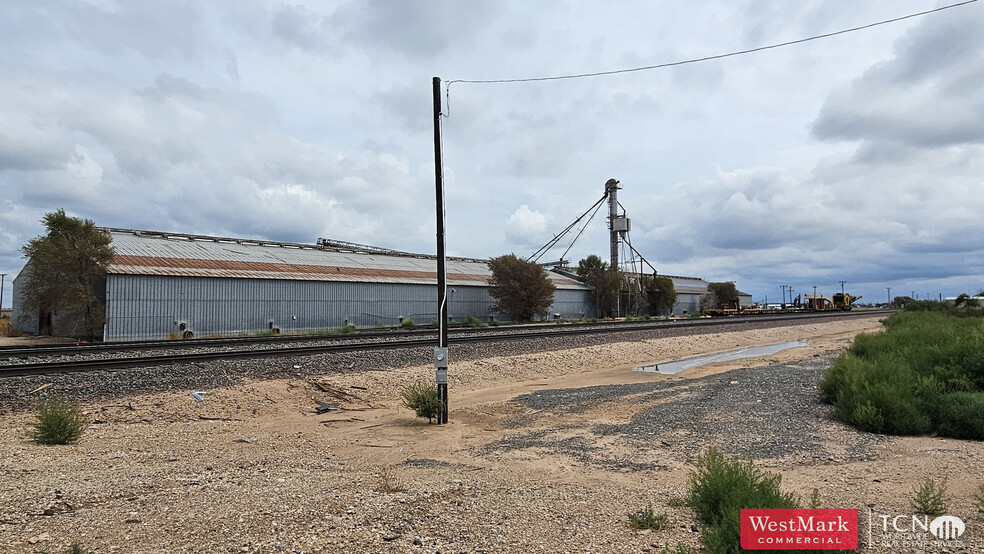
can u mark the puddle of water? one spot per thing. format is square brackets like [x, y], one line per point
[670, 368]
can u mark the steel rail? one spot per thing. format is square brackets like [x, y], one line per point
[14, 370]
[130, 346]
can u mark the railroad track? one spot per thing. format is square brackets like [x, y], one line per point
[230, 349]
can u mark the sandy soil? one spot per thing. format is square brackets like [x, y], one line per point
[252, 468]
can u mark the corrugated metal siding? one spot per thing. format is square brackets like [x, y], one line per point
[24, 317]
[687, 303]
[154, 306]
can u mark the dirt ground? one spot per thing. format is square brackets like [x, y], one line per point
[253, 468]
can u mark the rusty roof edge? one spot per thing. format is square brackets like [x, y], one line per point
[378, 251]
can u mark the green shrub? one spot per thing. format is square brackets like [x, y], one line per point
[473, 321]
[924, 374]
[408, 323]
[421, 397]
[979, 498]
[815, 499]
[344, 329]
[647, 519]
[59, 422]
[721, 487]
[930, 498]
[961, 415]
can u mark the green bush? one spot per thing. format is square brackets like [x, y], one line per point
[924, 374]
[720, 488]
[961, 415]
[647, 519]
[421, 397]
[979, 498]
[473, 321]
[59, 422]
[930, 498]
[408, 323]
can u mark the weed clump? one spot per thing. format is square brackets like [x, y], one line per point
[59, 422]
[930, 498]
[721, 487]
[407, 323]
[422, 398]
[979, 498]
[647, 519]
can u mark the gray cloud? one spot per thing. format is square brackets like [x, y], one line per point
[153, 29]
[928, 95]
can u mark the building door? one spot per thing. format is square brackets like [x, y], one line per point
[44, 323]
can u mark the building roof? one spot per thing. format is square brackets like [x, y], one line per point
[688, 285]
[175, 254]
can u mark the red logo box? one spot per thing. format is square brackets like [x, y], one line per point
[803, 529]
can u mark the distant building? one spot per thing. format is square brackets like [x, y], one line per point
[162, 285]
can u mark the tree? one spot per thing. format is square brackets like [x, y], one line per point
[709, 301]
[726, 294]
[520, 288]
[64, 266]
[901, 301]
[606, 282]
[664, 293]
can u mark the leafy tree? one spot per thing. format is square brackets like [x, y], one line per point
[664, 293]
[901, 301]
[605, 280]
[64, 266]
[725, 294]
[520, 288]
[709, 301]
[966, 299]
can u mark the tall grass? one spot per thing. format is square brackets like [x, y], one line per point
[924, 374]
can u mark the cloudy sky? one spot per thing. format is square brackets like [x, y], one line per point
[859, 157]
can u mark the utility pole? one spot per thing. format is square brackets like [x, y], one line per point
[783, 287]
[2, 277]
[842, 286]
[441, 351]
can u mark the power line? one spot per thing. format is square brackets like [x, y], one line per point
[707, 58]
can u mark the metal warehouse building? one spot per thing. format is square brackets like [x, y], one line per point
[169, 284]
[689, 290]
